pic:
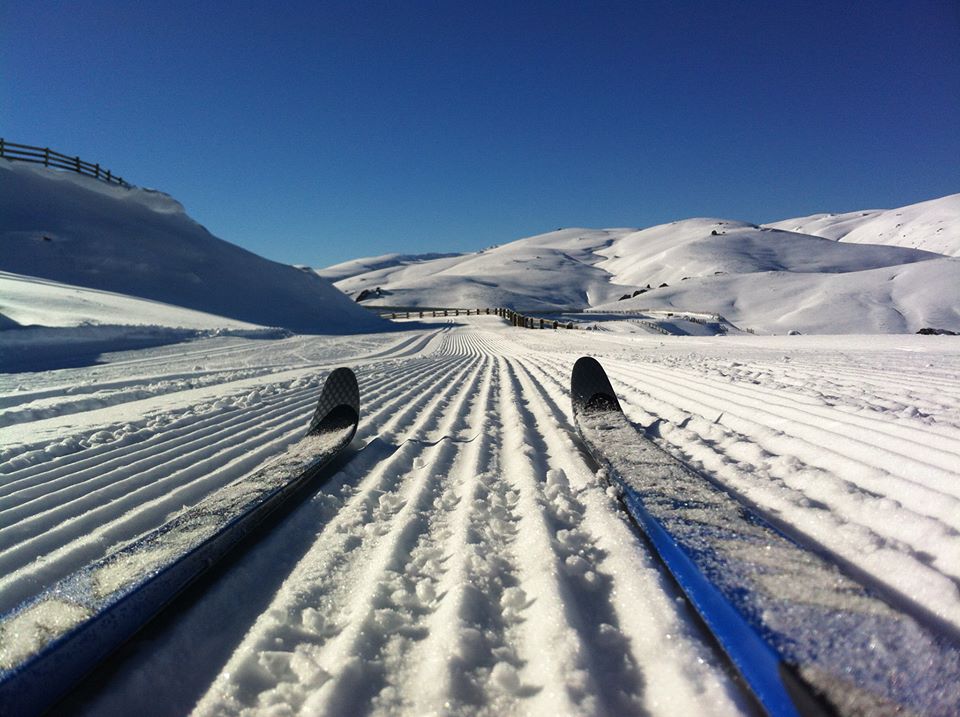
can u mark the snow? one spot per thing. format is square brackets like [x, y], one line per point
[890, 300]
[75, 230]
[347, 269]
[775, 278]
[467, 559]
[933, 225]
[543, 272]
[31, 301]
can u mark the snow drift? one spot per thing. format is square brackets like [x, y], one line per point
[76, 230]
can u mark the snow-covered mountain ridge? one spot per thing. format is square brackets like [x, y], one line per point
[828, 279]
[933, 225]
[74, 230]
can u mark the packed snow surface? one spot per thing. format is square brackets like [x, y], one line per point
[75, 230]
[466, 558]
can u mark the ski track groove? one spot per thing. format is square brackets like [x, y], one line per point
[468, 560]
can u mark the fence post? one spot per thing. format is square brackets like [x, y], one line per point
[46, 156]
[97, 165]
[76, 161]
[1, 146]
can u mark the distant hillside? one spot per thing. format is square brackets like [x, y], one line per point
[75, 230]
[932, 226]
[770, 278]
[544, 272]
[345, 270]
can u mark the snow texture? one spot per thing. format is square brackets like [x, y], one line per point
[778, 278]
[74, 230]
[467, 559]
[932, 226]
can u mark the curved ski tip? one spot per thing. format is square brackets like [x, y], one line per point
[590, 389]
[339, 404]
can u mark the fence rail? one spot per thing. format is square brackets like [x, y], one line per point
[49, 158]
[511, 316]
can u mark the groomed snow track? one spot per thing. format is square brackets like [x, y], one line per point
[466, 559]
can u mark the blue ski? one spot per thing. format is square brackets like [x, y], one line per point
[805, 637]
[52, 641]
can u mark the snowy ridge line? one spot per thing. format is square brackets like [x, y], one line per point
[72, 468]
[57, 406]
[916, 589]
[51, 641]
[913, 408]
[901, 543]
[881, 377]
[410, 408]
[776, 608]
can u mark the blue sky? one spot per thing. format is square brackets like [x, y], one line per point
[316, 132]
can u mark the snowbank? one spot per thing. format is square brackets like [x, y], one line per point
[73, 229]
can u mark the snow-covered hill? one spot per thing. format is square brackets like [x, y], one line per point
[888, 300]
[544, 272]
[346, 269]
[769, 278]
[75, 230]
[705, 247]
[932, 226]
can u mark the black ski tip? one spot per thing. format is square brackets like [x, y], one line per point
[590, 389]
[339, 404]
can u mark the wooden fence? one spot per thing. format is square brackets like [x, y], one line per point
[516, 319]
[48, 158]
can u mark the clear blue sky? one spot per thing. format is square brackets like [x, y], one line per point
[314, 132]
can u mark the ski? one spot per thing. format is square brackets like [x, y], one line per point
[51, 641]
[805, 637]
